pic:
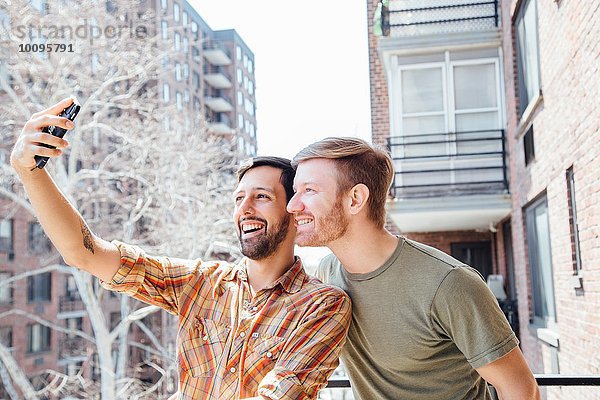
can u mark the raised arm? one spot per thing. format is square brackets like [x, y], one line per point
[62, 223]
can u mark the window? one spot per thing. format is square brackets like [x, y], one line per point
[38, 242]
[176, 12]
[250, 87]
[6, 291]
[186, 44]
[239, 76]
[75, 324]
[166, 93]
[186, 96]
[6, 336]
[163, 4]
[527, 54]
[177, 71]
[250, 66]
[38, 338]
[540, 262]
[39, 287]
[184, 22]
[573, 225]
[186, 70]
[178, 100]
[177, 41]
[196, 80]
[240, 98]
[238, 53]
[240, 121]
[528, 146]
[164, 29]
[71, 291]
[6, 235]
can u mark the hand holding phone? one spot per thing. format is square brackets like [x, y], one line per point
[70, 113]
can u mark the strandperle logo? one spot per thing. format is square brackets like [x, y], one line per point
[85, 30]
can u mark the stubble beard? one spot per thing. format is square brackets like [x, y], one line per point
[263, 246]
[332, 226]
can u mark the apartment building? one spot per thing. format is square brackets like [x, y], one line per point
[488, 110]
[211, 73]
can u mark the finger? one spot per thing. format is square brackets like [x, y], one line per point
[46, 138]
[57, 108]
[43, 121]
[44, 151]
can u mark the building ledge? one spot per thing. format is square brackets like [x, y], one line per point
[438, 214]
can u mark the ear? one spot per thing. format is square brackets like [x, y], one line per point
[359, 195]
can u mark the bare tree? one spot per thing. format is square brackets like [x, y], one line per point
[138, 169]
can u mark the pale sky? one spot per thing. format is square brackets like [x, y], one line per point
[311, 67]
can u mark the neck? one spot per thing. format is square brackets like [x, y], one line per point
[361, 256]
[262, 273]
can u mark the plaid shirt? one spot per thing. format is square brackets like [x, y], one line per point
[282, 344]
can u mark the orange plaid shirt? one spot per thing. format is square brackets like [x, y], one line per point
[282, 344]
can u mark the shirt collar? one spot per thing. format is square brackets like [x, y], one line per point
[291, 281]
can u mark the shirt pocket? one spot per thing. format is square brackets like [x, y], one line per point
[202, 347]
[263, 353]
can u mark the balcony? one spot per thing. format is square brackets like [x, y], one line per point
[71, 347]
[448, 181]
[217, 101]
[71, 306]
[403, 18]
[221, 125]
[217, 77]
[216, 54]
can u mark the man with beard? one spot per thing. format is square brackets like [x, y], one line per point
[260, 328]
[424, 325]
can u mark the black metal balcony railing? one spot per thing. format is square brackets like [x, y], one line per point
[411, 17]
[70, 303]
[452, 163]
[71, 346]
[542, 380]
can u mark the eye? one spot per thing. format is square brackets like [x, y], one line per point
[238, 199]
[262, 196]
[308, 189]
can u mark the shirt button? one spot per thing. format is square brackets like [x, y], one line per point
[243, 334]
[254, 308]
[232, 370]
[269, 354]
[205, 338]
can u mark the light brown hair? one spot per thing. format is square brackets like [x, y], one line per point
[357, 162]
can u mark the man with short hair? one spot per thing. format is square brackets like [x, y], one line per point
[260, 328]
[424, 325]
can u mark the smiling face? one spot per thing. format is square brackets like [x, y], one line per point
[260, 217]
[317, 206]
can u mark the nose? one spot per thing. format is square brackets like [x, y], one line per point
[245, 206]
[294, 205]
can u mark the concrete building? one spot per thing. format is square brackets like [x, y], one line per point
[487, 109]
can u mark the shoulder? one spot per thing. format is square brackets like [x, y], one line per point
[425, 254]
[318, 291]
[327, 267]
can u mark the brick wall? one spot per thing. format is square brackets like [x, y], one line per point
[566, 133]
[380, 118]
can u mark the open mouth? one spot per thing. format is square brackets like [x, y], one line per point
[251, 228]
[302, 221]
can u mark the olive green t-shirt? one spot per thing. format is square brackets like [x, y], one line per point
[421, 324]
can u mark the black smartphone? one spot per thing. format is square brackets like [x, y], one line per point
[70, 113]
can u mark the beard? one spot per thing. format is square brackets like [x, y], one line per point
[331, 227]
[262, 246]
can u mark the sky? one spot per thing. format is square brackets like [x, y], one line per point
[311, 67]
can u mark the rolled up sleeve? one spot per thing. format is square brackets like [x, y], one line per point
[153, 280]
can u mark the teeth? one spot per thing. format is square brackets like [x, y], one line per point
[250, 227]
[304, 221]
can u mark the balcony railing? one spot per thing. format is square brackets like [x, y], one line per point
[542, 380]
[415, 17]
[71, 346]
[70, 303]
[452, 163]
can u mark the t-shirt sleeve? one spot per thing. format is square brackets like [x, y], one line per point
[324, 269]
[466, 311]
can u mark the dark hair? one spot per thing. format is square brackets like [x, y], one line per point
[285, 165]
